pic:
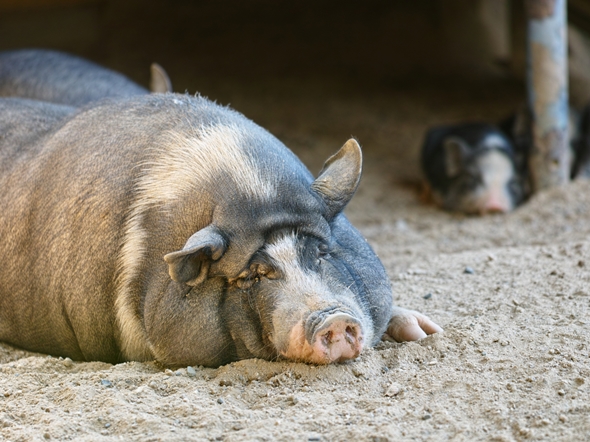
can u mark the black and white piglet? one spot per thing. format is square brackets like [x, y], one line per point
[472, 168]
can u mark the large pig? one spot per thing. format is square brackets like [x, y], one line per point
[472, 168]
[66, 79]
[168, 227]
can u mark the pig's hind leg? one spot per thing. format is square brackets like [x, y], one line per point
[409, 325]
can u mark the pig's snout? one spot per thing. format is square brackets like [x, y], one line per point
[338, 337]
[496, 205]
[495, 202]
[325, 337]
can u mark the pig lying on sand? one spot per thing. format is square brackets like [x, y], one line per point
[472, 168]
[167, 227]
[66, 79]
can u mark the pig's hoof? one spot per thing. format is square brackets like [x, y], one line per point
[409, 325]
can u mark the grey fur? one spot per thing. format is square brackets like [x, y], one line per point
[92, 203]
[66, 79]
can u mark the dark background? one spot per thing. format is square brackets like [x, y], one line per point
[383, 42]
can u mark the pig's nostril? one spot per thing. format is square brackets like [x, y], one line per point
[327, 338]
[350, 334]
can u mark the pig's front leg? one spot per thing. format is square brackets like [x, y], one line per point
[409, 325]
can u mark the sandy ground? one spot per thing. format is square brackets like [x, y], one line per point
[512, 364]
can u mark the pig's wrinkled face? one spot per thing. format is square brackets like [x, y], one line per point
[297, 296]
[289, 293]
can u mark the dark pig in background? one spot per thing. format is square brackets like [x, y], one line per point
[63, 78]
[167, 227]
[471, 168]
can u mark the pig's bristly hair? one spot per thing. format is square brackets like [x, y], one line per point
[184, 163]
[181, 163]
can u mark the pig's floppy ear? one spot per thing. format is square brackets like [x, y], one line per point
[340, 177]
[191, 264]
[455, 152]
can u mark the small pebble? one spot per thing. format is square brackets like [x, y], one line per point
[191, 371]
[294, 400]
[401, 225]
[67, 362]
[427, 296]
[393, 390]
[563, 418]
[468, 270]
[358, 373]
[526, 432]
[168, 372]
[106, 383]
[426, 416]
[220, 401]
[46, 435]
[107, 425]
[561, 393]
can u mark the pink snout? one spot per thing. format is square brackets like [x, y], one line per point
[496, 203]
[337, 338]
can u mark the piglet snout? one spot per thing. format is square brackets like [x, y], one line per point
[496, 204]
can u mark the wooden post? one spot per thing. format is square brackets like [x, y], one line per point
[549, 162]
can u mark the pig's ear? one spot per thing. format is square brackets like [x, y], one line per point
[340, 177]
[159, 80]
[455, 152]
[191, 264]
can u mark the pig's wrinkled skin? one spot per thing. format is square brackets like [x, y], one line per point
[471, 168]
[62, 78]
[258, 261]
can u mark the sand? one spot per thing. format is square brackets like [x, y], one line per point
[511, 292]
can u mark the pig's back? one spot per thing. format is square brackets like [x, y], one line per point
[60, 78]
[23, 123]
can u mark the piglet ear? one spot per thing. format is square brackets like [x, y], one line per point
[191, 264]
[456, 150]
[340, 177]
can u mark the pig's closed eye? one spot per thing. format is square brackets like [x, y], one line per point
[246, 282]
[254, 274]
[323, 252]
